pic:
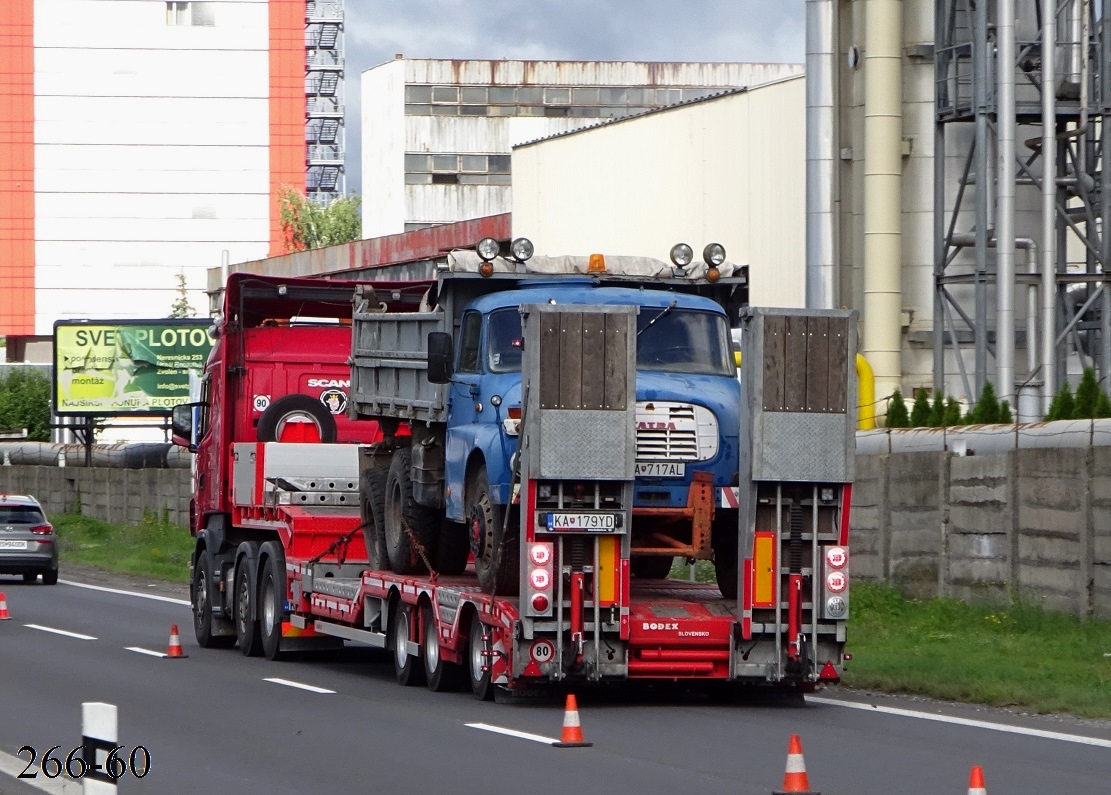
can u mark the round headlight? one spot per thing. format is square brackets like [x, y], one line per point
[714, 254]
[682, 254]
[521, 249]
[487, 248]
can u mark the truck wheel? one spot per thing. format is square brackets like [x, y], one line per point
[453, 549]
[408, 669]
[295, 407]
[723, 539]
[478, 662]
[405, 518]
[651, 567]
[271, 600]
[439, 674]
[246, 628]
[200, 595]
[372, 501]
[495, 556]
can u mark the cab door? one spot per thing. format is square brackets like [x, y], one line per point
[462, 411]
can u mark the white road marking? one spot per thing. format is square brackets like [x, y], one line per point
[14, 765]
[978, 724]
[77, 635]
[155, 597]
[536, 738]
[141, 650]
[288, 683]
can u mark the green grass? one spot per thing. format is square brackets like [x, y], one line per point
[152, 548]
[1020, 656]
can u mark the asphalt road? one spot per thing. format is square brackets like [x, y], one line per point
[212, 722]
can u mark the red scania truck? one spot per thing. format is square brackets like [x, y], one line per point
[298, 485]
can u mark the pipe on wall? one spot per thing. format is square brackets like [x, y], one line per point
[883, 136]
[1005, 215]
[821, 276]
[1049, 205]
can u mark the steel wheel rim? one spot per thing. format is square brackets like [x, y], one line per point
[401, 638]
[477, 656]
[268, 612]
[241, 608]
[201, 599]
[431, 644]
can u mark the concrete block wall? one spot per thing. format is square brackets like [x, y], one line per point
[108, 493]
[1034, 522]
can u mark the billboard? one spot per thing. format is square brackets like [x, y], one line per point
[111, 368]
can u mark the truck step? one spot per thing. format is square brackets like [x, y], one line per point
[336, 586]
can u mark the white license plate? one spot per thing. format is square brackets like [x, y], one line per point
[661, 469]
[13, 544]
[583, 522]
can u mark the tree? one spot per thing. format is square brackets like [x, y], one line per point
[181, 306]
[1063, 406]
[897, 416]
[952, 412]
[937, 411]
[920, 412]
[1005, 415]
[306, 225]
[25, 403]
[986, 410]
[1087, 395]
[1103, 405]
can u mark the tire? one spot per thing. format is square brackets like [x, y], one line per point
[453, 549]
[200, 598]
[246, 628]
[50, 577]
[724, 541]
[30, 576]
[439, 674]
[495, 558]
[271, 600]
[407, 670]
[372, 502]
[405, 516]
[288, 407]
[651, 567]
[481, 686]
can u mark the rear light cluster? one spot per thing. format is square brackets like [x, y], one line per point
[541, 566]
[42, 530]
[835, 584]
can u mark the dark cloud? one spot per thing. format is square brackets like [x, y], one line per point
[566, 30]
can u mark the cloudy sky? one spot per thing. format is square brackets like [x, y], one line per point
[565, 30]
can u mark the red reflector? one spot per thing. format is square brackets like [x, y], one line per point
[540, 603]
[514, 413]
[828, 671]
[847, 656]
[42, 529]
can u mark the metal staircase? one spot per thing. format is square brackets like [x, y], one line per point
[324, 106]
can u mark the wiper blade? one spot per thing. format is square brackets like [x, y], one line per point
[658, 317]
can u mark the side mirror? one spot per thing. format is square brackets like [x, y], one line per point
[439, 357]
[181, 425]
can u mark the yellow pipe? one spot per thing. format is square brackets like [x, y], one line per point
[866, 395]
[866, 392]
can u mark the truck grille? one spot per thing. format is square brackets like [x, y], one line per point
[675, 432]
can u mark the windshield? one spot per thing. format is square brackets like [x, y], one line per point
[668, 340]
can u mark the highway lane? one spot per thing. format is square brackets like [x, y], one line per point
[211, 721]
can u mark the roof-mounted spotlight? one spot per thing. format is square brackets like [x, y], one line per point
[681, 257]
[521, 249]
[713, 255]
[488, 248]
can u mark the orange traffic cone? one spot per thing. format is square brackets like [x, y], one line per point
[976, 782]
[572, 734]
[175, 649]
[795, 779]
[4, 608]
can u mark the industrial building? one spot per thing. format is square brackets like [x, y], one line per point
[726, 169]
[437, 134]
[142, 142]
